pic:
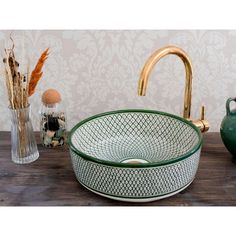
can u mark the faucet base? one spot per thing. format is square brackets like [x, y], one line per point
[203, 125]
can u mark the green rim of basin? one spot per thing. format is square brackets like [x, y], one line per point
[132, 165]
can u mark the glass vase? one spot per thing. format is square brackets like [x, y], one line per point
[23, 145]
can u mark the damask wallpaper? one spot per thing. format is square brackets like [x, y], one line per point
[98, 70]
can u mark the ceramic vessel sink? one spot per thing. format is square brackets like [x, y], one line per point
[135, 155]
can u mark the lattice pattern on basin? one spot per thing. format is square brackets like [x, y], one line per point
[150, 136]
[135, 182]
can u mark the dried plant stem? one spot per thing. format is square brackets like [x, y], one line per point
[16, 82]
[27, 87]
[22, 134]
[20, 118]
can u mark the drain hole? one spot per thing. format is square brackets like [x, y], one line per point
[134, 161]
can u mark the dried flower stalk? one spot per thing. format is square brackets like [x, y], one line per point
[16, 82]
[37, 72]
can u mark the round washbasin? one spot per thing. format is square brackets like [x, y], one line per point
[135, 155]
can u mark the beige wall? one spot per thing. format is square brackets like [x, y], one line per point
[98, 71]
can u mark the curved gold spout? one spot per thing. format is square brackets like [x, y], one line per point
[151, 62]
[153, 59]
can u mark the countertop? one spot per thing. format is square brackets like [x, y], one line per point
[50, 181]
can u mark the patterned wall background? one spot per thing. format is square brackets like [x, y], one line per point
[97, 71]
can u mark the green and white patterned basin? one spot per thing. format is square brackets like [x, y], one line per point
[135, 155]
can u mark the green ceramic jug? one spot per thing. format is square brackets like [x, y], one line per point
[228, 128]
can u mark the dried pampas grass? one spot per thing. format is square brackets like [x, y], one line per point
[21, 86]
[16, 82]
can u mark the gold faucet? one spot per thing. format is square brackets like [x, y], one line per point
[201, 123]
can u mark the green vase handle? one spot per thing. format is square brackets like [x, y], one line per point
[228, 112]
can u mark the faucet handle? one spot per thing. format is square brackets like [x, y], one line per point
[202, 112]
[205, 123]
[202, 124]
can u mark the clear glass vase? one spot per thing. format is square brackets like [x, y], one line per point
[23, 145]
